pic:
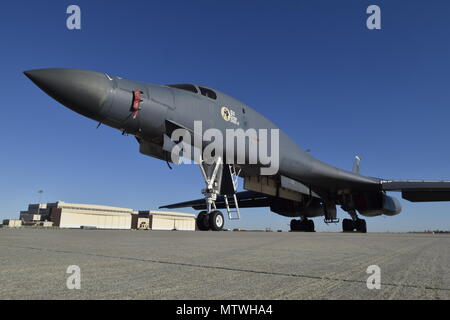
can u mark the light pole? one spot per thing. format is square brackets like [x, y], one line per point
[40, 199]
[40, 195]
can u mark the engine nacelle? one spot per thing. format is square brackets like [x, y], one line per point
[371, 205]
[290, 208]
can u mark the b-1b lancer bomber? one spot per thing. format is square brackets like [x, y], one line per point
[230, 140]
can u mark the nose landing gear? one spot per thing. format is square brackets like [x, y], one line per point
[215, 175]
[210, 221]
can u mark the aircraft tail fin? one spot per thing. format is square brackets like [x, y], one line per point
[356, 164]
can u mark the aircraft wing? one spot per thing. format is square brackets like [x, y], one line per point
[419, 191]
[246, 199]
[412, 190]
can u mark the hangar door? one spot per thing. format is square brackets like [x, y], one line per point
[162, 223]
[185, 224]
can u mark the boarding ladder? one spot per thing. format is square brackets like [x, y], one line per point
[231, 203]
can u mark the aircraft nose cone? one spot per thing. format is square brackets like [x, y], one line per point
[82, 91]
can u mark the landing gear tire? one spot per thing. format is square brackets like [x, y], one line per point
[302, 225]
[295, 225]
[361, 226]
[310, 226]
[203, 221]
[216, 221]
[347, 225]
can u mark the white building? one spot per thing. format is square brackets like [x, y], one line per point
[77, 215]
[164, 220]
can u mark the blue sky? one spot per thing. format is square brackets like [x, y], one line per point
[311, 66]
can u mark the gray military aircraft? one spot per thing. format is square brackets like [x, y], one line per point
[303, 187]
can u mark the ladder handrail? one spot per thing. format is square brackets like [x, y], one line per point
[236, 208]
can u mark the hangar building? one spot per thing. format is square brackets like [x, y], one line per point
[77, 215]
[163, 220]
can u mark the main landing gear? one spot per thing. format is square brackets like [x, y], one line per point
[355, 223]
[302, 225]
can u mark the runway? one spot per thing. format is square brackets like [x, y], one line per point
[221, 265]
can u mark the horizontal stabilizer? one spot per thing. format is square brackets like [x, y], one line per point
[246, 199]
[419, 191]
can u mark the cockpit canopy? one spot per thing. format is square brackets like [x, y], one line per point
[193, 88]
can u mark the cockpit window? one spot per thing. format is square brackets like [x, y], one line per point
[208, 93]
[187, 87]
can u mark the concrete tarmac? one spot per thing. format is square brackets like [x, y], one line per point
[129, 264]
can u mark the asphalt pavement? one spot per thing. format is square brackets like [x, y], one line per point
[127, 264]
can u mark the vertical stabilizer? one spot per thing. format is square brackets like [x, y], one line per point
[356, 164]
